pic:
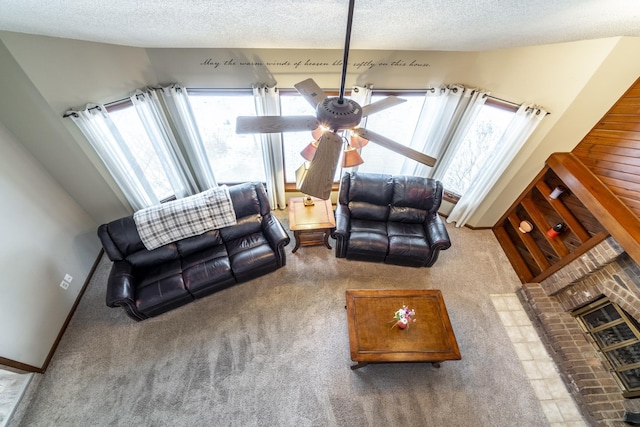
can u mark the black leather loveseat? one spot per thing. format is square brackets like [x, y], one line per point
[147, 283]
[390, 219]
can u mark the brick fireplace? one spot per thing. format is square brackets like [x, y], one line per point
[606, 270]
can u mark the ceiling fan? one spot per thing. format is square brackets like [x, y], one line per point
[333, 114]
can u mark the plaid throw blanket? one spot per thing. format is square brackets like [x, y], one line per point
[182, 218]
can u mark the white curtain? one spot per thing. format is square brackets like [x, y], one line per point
[267, 102]
[466, 112]
[149, 109]
[176, 100]
[361, 95]
[439, 115]
[104, 137]
[527, 118]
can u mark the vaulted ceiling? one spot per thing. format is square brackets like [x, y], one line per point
[455, 25]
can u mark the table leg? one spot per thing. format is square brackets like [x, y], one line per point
[326, 238]
[359, 365]
[296, 234]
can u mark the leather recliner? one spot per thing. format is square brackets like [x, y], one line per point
[390, 219]
[147, 283]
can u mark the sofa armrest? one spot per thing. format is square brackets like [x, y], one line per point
[341, 232]
[121, 289]
[277, 237]
[437, 236]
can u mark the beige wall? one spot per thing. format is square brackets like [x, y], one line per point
[566, 127]
[45, 235]
[69, 73]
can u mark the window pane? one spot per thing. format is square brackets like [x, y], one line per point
[625, 355]
[130, 127]
[234, 158]
[614, 335]
[481, 139]
[631, 378]
[294, 142]
[397, 123]
[601, 316]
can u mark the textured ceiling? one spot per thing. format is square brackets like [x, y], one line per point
[314, 24]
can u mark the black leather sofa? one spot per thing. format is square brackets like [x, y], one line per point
[147, 283]
[390, 219]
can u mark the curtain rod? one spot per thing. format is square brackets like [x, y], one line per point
[429, 89]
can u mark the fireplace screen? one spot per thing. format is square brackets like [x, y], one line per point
[617, 336]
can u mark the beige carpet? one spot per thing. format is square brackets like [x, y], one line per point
[274, 352]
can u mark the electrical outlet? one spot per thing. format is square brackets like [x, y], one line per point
[64, 285]
[68, 278]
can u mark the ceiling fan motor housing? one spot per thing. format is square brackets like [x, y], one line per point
[336, 115]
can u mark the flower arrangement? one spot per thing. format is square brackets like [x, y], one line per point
[403, 317]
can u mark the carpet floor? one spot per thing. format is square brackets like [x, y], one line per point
[275, 352]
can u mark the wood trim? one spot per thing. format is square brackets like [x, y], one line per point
[21, 367]
[617, 218]
[519, 265]
[29, 368]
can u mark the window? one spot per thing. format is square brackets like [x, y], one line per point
[397, 123]
[126, 119]
[483, 136]
[235, 158]
[292, 104]
[239, 158]
[617, 336]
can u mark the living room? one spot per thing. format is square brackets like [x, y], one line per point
[59, 192]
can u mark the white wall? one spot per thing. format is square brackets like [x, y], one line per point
[45, 235]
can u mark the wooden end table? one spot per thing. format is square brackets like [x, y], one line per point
[374, 339]
[311, 225]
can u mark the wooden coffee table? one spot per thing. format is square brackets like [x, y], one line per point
[374, 339]
[311, 225]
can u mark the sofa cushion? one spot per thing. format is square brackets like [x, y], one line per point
[369, 211]
[407, 244]
[406, 214]
[144, 258]
[207, 271]
[125, 236]
[376, 189]
[367, 226]
[161, 288]
[251, 256]
[415, 192]
[244, 226]
[195, 244]
[367, 240]
[245, 199]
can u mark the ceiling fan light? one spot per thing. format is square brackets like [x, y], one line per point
[317, 132]
[358, 141]
[310, 150]
[351, 158]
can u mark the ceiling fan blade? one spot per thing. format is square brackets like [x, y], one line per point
[275, 124]
[380, 105]
[323, 167]
[310, 91]
[395, 146]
